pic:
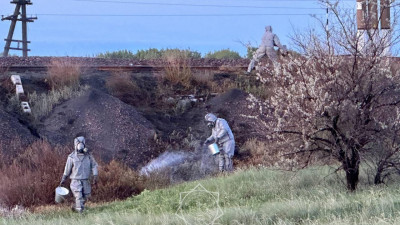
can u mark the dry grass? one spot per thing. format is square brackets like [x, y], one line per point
[203, 78]
[157, 179]
[3, 70]
[229, 69]
[116, 181]
[177, 70]
[43, 104]
[222, 86]
[121, 86]
[63, 72]
[256, 152]
[29, 179]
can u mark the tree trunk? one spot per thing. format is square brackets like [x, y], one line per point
[352, 177]
[351, 165]
[378, 175]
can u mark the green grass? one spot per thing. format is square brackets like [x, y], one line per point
[255, 196]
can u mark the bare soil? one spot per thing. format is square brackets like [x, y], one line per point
[135, 129]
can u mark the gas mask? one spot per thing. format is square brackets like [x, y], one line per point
[210, 124]
[80, 148]
[80, 145]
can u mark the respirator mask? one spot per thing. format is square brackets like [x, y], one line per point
[210, 124]
[80, 148]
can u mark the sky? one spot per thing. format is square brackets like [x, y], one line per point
[90, 27]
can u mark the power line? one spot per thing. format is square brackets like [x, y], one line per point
[198, 5]
[176, 15]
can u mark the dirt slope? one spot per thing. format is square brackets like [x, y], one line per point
[112, 128]
[14, 135]
[234, 106]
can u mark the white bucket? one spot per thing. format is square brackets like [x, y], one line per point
[213, 149]
[61, 194]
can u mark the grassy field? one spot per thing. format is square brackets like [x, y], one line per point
[255, 196]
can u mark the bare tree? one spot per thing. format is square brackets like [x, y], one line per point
[338, 98]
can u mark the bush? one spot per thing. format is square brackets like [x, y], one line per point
[177, 68]
[31, 178]
[121, 54]
[151, 53]
[116, 181]
[154, 53]
[223, 54]
[63, 72]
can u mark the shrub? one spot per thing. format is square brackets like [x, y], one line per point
[223, 54]
[31, 178]
[63, 72]
[121, 54]
[177, 68]
[116, 181]
[151, 53]
[187, 53]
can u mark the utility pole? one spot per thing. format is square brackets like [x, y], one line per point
[386, 26]
[19, 15]
[361, 23]
[368, 18]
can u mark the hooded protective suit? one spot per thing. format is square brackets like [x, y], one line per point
[79, 167]
[268, 41]
[223, 136]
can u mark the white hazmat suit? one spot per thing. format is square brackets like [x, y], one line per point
[223, 136]
[268, 41]
[79, 167]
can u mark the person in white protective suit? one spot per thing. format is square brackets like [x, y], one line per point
[268, 41]
[223, 136]
[79, 168]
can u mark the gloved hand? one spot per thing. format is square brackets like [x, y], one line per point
[217, 141]
[63, 179]
[206, 142]
[94, 181]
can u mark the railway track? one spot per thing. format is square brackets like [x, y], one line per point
[134, 68]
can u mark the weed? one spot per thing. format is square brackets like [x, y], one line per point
[177, 69]
[43, 104]
[63, 72]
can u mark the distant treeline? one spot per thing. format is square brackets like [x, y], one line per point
[154, 53]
